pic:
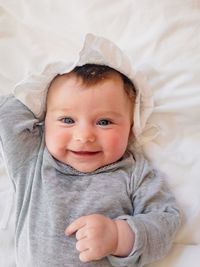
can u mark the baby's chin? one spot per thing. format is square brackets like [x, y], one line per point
[85, 168]
[88, 163]
[90, 167]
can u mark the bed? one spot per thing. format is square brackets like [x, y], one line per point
[162, 39]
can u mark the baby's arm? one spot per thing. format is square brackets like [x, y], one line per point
[99, 236]
[126, 238]
[132, 240]
[19, 137]
[155, 220]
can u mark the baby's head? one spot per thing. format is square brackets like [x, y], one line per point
[89, 117]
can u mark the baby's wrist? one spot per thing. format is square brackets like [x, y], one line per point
[125, 239]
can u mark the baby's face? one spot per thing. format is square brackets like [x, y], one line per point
[87, 127]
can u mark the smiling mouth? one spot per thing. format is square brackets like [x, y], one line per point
[85, 153]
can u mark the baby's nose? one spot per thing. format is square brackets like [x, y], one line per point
[84, 135]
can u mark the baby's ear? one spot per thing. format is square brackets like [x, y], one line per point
[131, 134]
[131, 128]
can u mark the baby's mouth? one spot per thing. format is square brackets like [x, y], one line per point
[85, 153]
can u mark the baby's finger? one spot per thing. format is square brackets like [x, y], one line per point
[81, 245]
[85, 256]
[75, 226]
[81, 233]
[89, 255]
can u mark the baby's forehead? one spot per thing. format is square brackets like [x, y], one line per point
[73, 78]
[59, 79]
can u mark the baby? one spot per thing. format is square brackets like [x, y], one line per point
[83, 197]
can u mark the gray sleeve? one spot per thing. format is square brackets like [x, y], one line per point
[155, 220]
[19, 136]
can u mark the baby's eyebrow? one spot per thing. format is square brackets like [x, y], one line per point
[98, 113]
[112, 113]
[59, 109]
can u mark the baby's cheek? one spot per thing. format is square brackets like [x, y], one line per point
[118, 143]
[55, 139]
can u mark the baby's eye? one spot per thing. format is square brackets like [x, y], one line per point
[68, 120]
[104, 122]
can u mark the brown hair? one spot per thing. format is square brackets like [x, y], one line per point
[93, 73]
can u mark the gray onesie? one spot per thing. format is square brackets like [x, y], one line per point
[50, 195]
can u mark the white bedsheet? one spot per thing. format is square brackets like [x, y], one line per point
[162, 38]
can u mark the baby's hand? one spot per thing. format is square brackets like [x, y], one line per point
[96, 236]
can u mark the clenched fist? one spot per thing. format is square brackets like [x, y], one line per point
[97, 236]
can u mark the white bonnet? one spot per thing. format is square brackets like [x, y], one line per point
[32, 90]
